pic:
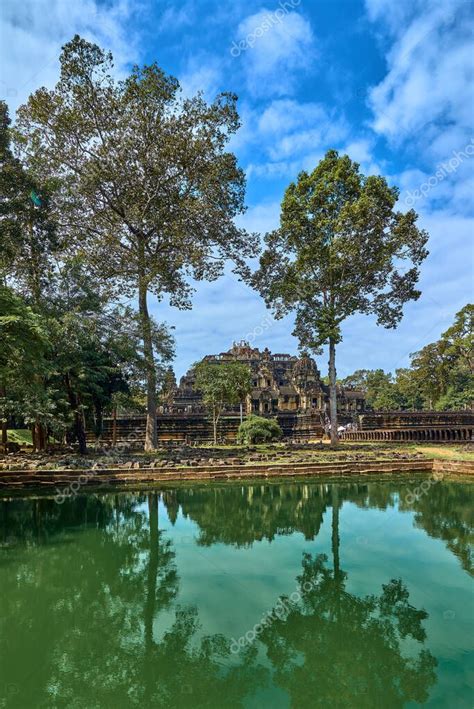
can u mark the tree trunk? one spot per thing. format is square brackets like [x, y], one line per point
[79, 430]
[150, 431]
[214, 426]
[333, 392]
[99, 420]
[241, 412]
[335, 530]
[80, 433]
[150, 602]
[38, 436]
[114, 426]
[41, 436]
[3, 394]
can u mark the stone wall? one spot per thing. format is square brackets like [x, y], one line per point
[51, 480]
[439, 434]
[390, 420]
[197, 428]
[437, 426]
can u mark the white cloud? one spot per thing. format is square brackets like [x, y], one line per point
[298, 135]
[174, 18]
[289, 116]
[273, 46]
[296, 128]
[33, 32]
[261, 218]
[360, 150]
[202, 74]
[423, 107]
[425, 96]
[295, 137]
[289, 136]
[450, 184]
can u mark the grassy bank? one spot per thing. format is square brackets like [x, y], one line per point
[367, 449]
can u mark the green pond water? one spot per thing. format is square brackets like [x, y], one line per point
[300, 594]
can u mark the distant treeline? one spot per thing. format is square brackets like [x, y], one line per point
[440, 375]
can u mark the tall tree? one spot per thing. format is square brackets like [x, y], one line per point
[430, 371]
[29, 249]
[147, 185]
[458, 340]
[340, 249]
[222, 385]
[27, 230]
[444, 370]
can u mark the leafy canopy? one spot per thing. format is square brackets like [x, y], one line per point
[27, 231]
[146, 185]
[340, 249]
[222, 384]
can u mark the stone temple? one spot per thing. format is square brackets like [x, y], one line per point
[285, 387]
[282, 383]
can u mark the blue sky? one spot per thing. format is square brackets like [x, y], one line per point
[390, 83]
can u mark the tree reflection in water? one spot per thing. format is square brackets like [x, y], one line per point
[242, 514]
[338, 649]
[334, 648]
[89, 611]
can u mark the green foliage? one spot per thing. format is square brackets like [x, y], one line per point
[458, 396]
[256, 429]
[458, 340]
[444, 370]
[21, 334]
[341, 249]
[408, 390]
[67, 365]
[379, 387]
[24, 344]
[222, 384]
[27, 230]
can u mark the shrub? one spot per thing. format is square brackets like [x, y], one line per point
[256, 429]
